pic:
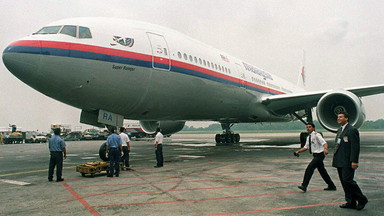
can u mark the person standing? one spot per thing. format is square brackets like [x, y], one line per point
[126, 147]
[159, 148]
[346, 160]
[114, 149]
[318, 147]
[56, 147]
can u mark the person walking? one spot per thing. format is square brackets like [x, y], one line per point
[318, 147]
[346, 160]
[159, 148]
[114, 149]
[57, 148]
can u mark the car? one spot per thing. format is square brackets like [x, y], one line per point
[40, 138]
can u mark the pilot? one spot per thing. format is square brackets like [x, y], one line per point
[318, 147]
[126, 147]
[114, 149]
[159, 148]
[56, 148]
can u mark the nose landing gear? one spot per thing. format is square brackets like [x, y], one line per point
[227, 136]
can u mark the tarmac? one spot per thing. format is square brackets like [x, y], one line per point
[258, 176]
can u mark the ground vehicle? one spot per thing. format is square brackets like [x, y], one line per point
[74, 136]
[39, 138]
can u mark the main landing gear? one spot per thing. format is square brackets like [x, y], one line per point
[227, 136]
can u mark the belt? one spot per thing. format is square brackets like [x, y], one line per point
[318, 153]
[113, 148]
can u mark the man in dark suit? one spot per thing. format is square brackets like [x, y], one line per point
[346, 159]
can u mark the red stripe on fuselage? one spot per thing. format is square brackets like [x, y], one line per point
[134, 55]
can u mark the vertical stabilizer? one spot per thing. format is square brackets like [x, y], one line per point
[301, 77]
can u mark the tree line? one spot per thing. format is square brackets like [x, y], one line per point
[296, 125]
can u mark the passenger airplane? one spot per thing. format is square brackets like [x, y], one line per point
[113, 69]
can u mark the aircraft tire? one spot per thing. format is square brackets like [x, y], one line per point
[303, 138]
[237, 138]
[217, 138]
[102, 152]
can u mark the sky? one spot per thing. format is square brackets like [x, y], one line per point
[343, 42]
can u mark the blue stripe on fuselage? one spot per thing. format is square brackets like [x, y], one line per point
[121, 60]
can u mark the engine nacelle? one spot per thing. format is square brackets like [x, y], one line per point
[332, 103]
[167, 127]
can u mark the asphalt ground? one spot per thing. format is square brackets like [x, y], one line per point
[259, 176]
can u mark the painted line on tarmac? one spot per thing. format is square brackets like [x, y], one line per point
[286, 208]
[15, 182]
[83, 202]
[32, 171]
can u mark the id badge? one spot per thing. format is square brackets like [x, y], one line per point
[338, 141]
[345, 139]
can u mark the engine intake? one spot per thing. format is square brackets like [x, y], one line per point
[332, 103]
[167, 127]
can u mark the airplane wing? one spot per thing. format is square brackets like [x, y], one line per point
[288, 103]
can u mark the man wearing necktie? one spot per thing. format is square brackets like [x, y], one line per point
[346, 159]
[318, 147]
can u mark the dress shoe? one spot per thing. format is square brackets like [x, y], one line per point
[117, 175]
[50, 180]
[60, 180]
[330, 188]
[110, 176]
[158, 166]
[348, 205]
[302, 188]
[361, 204]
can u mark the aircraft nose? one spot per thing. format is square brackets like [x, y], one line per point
[22, 59]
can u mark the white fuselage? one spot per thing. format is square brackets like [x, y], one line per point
[143, 72]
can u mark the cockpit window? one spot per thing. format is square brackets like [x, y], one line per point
[84, 32]
[69, 30]
[49, 30]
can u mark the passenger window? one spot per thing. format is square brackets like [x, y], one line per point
[165, 52]
[69, 30]
[84, 32]
[185, 56]
[205, 64]
[190, 58]
[179, 54]
[200, 61]
[49, 30]
[195, 59]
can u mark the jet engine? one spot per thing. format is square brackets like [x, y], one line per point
[167, 127]
[332, 103]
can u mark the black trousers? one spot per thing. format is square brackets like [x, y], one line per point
[125, 158]
[159, 155]
[351, 189]
[317, 162]
[56, 160]
[114, 161]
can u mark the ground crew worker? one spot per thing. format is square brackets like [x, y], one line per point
[159, 148]
[114, 149]
[2, 138]
[56, 147]
[126, 147]
[318, 147]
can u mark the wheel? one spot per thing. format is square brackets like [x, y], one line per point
[217, 138]
[102, 152]
[83, 174]
[237, 138]
[303, 138]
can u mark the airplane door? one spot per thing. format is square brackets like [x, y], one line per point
[242, 76]
[160, 52]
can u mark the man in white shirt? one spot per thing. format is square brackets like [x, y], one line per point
[126, 147]
[319, 148]
[159, 148]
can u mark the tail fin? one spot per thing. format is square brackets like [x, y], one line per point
[301, 78]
